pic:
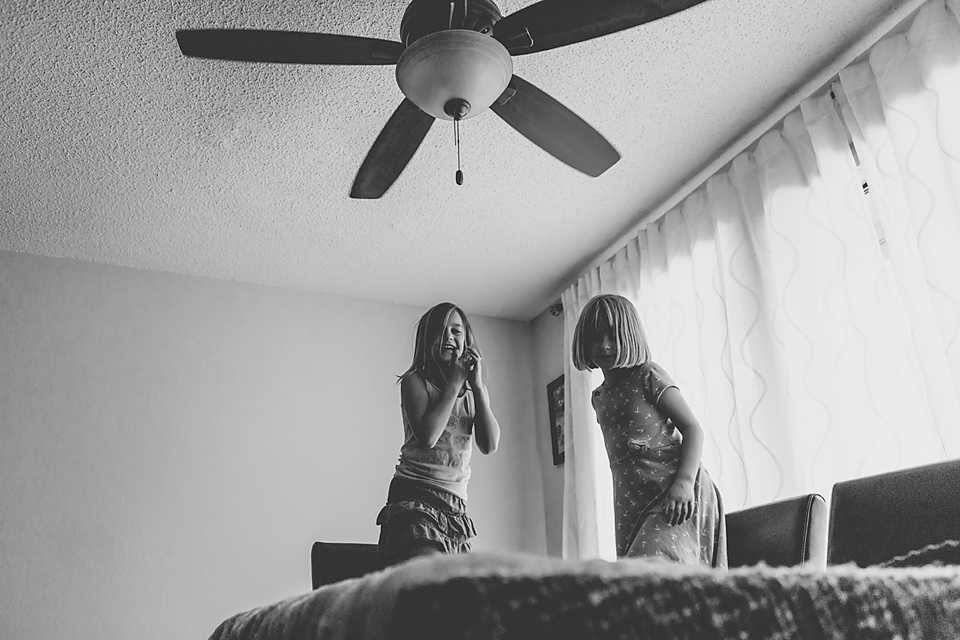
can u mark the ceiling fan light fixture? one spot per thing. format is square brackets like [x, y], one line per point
[454, 64]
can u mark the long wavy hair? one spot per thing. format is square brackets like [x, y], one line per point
[616, 314]
[426, 348]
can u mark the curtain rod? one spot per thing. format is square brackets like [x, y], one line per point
[778, 113]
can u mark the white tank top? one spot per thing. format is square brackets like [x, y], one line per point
[447, 464]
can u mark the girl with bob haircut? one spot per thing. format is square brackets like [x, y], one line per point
[617, 315]
[444, 406]
[665, 503]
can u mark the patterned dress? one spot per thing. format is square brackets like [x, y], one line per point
[644, 449]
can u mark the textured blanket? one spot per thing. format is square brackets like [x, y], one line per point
[492, 596]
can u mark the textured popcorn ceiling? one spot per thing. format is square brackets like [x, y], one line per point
[115, 148]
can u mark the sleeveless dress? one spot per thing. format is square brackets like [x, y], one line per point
[644, 449]
[445, 465]
[427, 498]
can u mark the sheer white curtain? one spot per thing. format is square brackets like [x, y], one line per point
[814, 328]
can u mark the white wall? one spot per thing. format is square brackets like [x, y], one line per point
[548, 365]
[172, 446]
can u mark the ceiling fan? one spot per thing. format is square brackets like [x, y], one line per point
[454, 62]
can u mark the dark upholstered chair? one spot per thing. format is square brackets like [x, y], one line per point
[876, 518]
[781, 534]
[784, 533]
[335, 561]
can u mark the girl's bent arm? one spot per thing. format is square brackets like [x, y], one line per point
[672, 405]
[486, 427]
[679, 502]
[427, 419]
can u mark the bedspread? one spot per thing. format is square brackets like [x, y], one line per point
[498, 596]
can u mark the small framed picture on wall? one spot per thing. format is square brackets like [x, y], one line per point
[555, 403]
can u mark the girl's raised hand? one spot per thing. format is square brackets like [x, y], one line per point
[472, 359]
[459, 371]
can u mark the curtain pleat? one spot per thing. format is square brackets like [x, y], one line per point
[807, 298]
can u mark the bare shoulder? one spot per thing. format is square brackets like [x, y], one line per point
[414, 396]
[412, 382]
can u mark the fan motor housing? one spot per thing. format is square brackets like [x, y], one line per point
[454, 74]
[423, 17]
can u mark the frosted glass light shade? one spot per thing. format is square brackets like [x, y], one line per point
[454, 64]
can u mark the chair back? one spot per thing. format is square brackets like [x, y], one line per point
[876, 518]
[781, 534]
[335, 561]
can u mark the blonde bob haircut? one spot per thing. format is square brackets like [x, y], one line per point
[617, 315]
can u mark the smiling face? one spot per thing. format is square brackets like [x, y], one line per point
[451, 343]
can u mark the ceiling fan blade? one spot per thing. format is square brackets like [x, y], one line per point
[391, 151]
[297, 47]
[554, 128]
[556, 23]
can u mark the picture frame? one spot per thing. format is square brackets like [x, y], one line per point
[555, 403]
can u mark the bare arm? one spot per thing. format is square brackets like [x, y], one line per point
[485, 425]
[678, 505]
[428, 418]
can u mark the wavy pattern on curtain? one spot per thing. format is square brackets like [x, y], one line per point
[807, 298]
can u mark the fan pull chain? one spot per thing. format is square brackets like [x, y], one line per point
[463, 21]
[456, 139]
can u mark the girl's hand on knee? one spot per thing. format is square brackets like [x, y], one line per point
[678, 504]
